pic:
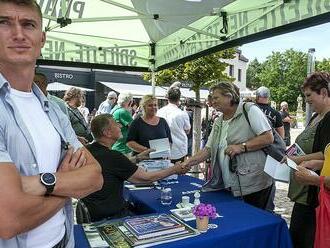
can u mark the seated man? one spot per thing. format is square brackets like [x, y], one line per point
[116, 168]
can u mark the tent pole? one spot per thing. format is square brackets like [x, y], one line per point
[153, 82]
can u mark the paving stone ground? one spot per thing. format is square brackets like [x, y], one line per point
[283, 205]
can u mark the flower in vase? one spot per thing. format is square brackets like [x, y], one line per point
[202, 210]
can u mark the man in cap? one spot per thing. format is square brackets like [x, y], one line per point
[106, 106]
[262, 100]
[274, 117]
[178, 122]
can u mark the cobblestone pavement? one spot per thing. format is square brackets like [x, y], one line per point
[283, 205]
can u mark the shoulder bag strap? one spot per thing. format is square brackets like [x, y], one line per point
[247, 116]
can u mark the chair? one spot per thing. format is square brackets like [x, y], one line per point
[82, 213]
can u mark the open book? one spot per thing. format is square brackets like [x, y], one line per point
[278, 171]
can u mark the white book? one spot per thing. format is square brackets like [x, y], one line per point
[278, 171]
[162, 148]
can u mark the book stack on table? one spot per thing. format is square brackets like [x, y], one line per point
[145, 231]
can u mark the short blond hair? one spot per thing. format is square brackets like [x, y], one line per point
[146, 99]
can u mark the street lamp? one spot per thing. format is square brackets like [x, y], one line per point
[310, 70]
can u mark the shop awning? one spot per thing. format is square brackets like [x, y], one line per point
[137, 90]
[56, 86]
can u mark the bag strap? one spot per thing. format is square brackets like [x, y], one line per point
[79, 119]
[247, 116]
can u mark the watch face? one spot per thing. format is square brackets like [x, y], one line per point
[48, 178]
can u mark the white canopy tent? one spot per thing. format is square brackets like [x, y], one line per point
[150, 35]
[56, 86]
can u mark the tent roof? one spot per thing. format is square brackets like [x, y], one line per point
[56, 86]
[146, 35]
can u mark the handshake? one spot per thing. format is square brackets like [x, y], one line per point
[181, 167]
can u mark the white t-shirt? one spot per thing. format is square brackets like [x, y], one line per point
[178, 122]
[47, 144]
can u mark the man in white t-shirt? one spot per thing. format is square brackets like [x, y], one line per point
[178, 122]
[42, 164]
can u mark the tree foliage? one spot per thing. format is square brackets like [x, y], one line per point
[323, 65]
[198, 73]
[253, 73]
[284, 73]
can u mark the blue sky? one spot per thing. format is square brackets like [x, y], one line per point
[317, 37]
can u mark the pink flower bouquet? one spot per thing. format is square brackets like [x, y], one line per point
[202, 210]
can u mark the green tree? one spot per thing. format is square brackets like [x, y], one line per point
[253, 73]
[199, 73]
[284, 73]
[323, 65]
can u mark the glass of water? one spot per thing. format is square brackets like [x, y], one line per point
[166, 196]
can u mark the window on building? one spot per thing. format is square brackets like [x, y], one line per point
[231, 70]
[239, 76]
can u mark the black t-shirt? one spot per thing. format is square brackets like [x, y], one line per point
[273, 115]
[322, 134]
[141, 132]
[286, 125]
[116, 168]
[321, 139]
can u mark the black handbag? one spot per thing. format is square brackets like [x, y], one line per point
[277, 148]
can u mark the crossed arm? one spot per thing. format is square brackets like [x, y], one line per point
[23, 205]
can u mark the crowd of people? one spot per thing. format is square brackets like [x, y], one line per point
[51, 151]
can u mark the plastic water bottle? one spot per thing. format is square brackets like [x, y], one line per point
[166, 196]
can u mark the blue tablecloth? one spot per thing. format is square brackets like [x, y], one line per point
[242, 225]
[148, 201]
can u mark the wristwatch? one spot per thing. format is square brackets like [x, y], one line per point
[48, 180]
[245, 147]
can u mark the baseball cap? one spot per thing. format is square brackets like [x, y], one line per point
[263, 92]
[112, 94]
